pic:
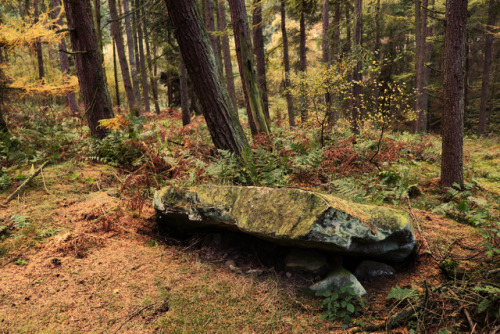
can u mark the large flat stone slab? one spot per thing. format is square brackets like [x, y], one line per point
[293, 217]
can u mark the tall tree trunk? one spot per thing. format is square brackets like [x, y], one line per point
[378, 56]
[115, 69]
[209, 22]
[420, 122]
[63, 58]
[226, 51]
[186, 115]
[452, 124]
[3, 124]
[303, 65]
[356, 112]
[348, 44]
[131, 52]
[427, 71]
[98, 29]
[326, 54]
[488, 44]
[38, 45]
[258, 40]
[286, 64]
[194, 43]
[246, 64]
[170, 86]
[142, 60]
[336, 30]
[152, 79]
[117, 32]
[88, 63]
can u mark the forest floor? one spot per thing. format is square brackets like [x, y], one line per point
[81, 255]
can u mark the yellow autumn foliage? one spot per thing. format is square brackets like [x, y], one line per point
[114, 124]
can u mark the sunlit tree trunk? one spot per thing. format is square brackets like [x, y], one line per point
[198, 55]
[226, 51]
[131, 50]
[453, 86]
[116, 31]
[258, 40]
[38, 45]
[488, 44]
[286, 64]
[88, 63]
[326, 52]
[356, 75]
[63, 58]
[246, 64]
[142, 60]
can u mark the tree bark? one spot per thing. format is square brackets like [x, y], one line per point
[142, 60]
[258, 40]
[98, 29]
[303, 65]
[356, 112]
[326, 54]
[198, 55]
[488, 45]
[116, 31]
[3, 125]
[421, 109]
[88, 63]
[152, 79]
[186, 115]
[246, 65]
[209, 22]
[452, 123]
[115, 69]
[336, 30]
[226, 51]
[131, 54]
[286, 64]
[38, 45]
[63, 58]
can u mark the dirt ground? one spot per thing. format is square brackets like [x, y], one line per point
[86, 259]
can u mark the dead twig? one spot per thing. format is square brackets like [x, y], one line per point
[134, 315]
[25, 183]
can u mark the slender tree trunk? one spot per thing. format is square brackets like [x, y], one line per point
[488, 45]
[356, 112]
[209, 22]
[348, 46]
[131, 52]
[3, 124]
[88, 63]
[419, 124]
[228, 66]
[427, 72]
[98, 29]
[258, 40]
[115, 69]
[38, 45]
[63, 58]
[117, 32]
[152, 79]
[144, 73]
[170, 86]
[286, 63]
[246, 64]
[303, 65]
[452, 124]
[336, 31]
[186, 115]
[198, 55]
[378, 56]
[326, 54]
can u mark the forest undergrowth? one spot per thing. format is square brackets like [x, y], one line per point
[451, 285]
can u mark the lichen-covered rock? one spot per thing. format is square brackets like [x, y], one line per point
[337, 278]
[291, 216]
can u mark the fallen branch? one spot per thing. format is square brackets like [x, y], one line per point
[419, 229]
[135, 314]
[25, 183]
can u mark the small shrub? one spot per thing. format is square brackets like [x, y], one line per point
[341, 304]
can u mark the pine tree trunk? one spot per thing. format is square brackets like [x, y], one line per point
[356, 112]
[209, 22]
[186, 115]
[131, 52]
[488, 45]
[98, 29]
[258, 40]
[38, 45]
[419, 124]
[452, 123]
[326, 54]
[246, 65]
[378, 56]
[336, 31]
[63, 58]
[142, 60]
[286, 64]
[116, 31]
[303, 65]
[88, 63]
[427, 72]
[152, 79]
[3, 124]
[197, 53]
[226, 51]
[115, 69]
